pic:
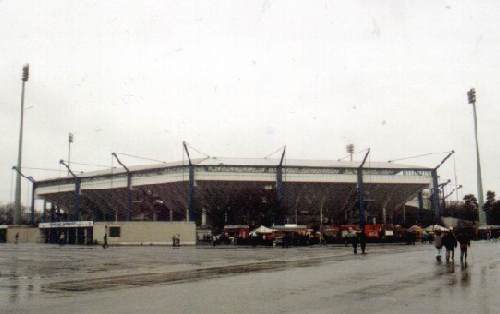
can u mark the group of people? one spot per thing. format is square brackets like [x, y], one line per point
[356, 238]
[450, 240]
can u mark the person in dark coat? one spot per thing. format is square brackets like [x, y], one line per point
[105, 239]
[353, 238]
[464, 239]
[450, 243]
[362, 241]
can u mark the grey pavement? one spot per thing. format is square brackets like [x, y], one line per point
[389, 279]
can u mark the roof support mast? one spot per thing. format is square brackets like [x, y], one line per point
[129, 186]
[78, 184]
[279, 180]
[190, 213]
[435, 188]
[361, 200]
[33, 182]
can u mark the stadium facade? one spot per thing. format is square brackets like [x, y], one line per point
[215, 190]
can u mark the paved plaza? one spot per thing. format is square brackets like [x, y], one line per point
[389, 279]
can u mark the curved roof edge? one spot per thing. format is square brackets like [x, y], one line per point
[249, 162]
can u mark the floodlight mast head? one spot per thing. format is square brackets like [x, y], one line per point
[350, 150]
[26, 72]
[471, 96]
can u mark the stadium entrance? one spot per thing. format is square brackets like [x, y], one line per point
[68, 232]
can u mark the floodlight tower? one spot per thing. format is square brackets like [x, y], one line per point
[17, 201]
[471, 96]
[350, 150]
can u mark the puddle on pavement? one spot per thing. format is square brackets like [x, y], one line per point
[146, 279]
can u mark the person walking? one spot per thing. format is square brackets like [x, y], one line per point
[62, 239]
[17, 237]
[464, 240]
[362, 241]
[450, 243]
[353, 238]
[105, 240]
[438, 244]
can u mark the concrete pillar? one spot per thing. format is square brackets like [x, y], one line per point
[203, 217]
[420, 205]
[171, 214]
[85, 236]
[384, 215]
[44, 210]
[129, 197]
[77, 214]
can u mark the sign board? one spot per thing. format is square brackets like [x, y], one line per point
[66, 224]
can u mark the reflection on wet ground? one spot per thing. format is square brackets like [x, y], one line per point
[33, 278]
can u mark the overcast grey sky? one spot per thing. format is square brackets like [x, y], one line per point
[241, 78]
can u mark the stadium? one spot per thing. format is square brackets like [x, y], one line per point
[214, 191]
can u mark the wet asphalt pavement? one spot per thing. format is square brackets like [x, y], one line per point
[389, 279]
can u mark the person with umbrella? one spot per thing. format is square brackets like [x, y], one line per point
[438, 243]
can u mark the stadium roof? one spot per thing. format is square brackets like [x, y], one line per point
[249, 162]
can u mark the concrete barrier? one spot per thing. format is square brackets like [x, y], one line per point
[26, 234]
[145, 232]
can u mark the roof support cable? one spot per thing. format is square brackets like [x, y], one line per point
[418, 156]
[281, 148]
[195, 149]
[140, 157]
[87, 164]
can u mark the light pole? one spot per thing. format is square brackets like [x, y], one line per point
[471, 95]
[17, 202]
